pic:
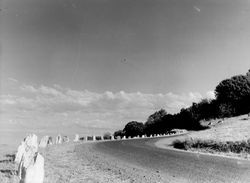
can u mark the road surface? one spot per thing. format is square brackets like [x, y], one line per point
[177, 166]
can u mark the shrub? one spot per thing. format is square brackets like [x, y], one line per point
[229, 146]
[90, 138]
[98, 138]
[107, 136]
[179, 144]
[119, 133]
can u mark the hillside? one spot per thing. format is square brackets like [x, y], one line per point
[228, 137]
[229, 129]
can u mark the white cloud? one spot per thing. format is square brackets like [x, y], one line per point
[13, 80]
[93, 109]
[49, 91]
[28, 88]
[7, 100]
[197, 9]
[210, 95]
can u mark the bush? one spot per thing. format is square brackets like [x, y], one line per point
[179, 144]
[119, 133]
[98, 138]
[90, 138]
[107, 136]
[229, 146]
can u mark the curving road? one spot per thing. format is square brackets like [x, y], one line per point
[178, 166]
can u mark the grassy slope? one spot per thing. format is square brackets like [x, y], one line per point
[231, 129]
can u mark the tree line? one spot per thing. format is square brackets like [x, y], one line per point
[232, 98]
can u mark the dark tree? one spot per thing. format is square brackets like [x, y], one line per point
[226, 110]
[233, 89]
[157, 116]
[133, 129]
[119, 133]
[155, 123]
[234, 94]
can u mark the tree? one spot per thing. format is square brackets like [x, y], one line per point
[133, 129]
[155, 122]
[157, 116]
[226, 110]
[234, 92]
[119, 133]
[233, 89]
[205, 109]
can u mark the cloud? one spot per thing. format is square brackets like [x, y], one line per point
[7, 100]
[90, 108]
[28, 88]
[210, 95]
[13, 80]
[197, 9]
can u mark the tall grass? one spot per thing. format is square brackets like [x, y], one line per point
[229, 146]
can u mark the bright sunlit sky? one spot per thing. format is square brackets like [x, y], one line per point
[102, 63]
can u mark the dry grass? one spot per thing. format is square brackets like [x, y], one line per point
[230, 129]
[228, 137]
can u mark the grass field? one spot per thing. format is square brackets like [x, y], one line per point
[229, 129]
[229, 136]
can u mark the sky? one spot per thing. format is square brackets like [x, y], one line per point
[102, 63]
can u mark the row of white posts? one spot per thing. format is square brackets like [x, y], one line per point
[101, 138]
[151, 136]
[47, 140]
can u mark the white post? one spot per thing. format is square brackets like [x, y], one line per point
[76, 138]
